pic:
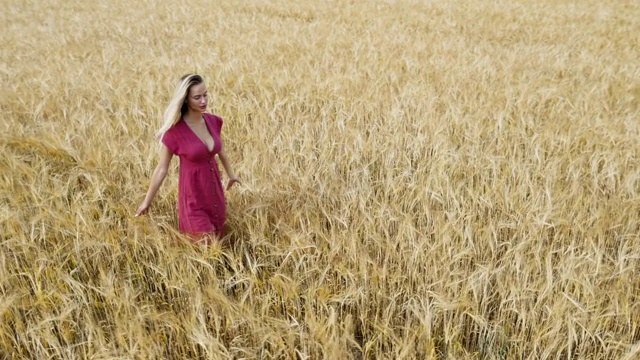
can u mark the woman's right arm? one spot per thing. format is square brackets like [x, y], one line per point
[156, 179]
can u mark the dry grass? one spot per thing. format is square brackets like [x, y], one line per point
[421, 180]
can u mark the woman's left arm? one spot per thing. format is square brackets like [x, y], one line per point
[227, 167]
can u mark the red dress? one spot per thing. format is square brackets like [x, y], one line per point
[201, 203]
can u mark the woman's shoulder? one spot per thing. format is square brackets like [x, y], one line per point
[212, 117]
[173, 131]
[177, 127]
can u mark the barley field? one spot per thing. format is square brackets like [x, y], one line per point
[420, 180]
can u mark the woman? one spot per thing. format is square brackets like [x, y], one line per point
[194, 136]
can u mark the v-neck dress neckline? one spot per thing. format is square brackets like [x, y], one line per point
[200, 139]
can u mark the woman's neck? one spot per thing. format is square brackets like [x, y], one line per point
[192, 117]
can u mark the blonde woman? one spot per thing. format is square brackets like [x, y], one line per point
[194, 136]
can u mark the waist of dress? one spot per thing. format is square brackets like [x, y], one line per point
[199, 165]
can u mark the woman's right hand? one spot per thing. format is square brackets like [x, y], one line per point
[142, 209]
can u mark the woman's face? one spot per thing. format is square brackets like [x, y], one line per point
[197, 98]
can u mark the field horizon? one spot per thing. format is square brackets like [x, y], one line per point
[420, 180]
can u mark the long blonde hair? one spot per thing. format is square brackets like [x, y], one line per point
[178, 106]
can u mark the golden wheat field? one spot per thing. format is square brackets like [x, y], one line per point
[420, 180]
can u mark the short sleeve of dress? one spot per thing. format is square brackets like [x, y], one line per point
[218, 124]
[169, 140]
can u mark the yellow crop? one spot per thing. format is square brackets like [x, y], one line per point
[420, 179]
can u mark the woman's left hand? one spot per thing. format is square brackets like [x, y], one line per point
[233, 180]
